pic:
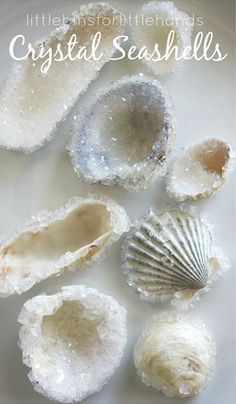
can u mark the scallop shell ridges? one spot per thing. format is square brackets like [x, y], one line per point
[167, 254]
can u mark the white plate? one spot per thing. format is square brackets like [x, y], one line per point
[203, 93]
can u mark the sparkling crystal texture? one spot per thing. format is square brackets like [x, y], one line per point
[166, 18]
[200, 170]
[172, 256]
[52, 242]
[72, 342]
[124, 136]
[32, 103]
[175, 355]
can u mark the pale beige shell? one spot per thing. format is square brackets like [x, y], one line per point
[175, 354]
[200, 170]
[52, 242]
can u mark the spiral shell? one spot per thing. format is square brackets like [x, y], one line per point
[175, 355]
[172, 256]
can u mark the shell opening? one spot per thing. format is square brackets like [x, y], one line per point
[124, 136]
[80, 228]
[72, 342]
[200, 170]
[69, 340]
[213, 155]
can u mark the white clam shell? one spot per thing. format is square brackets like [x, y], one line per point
[125, 135]
[200, 170]
[32, 103]
[176, 355]
[72, 342]
[172, 256]
[162, 17]
[52, 242]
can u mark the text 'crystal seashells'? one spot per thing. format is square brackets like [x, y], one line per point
[172, 256]
[52, 242]
[72, 342]
[175, 355]
[125, 135]
[200, 170]
[156, 20]
[32, 103]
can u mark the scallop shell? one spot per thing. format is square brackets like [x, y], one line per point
[172, 256]
[166, 18]
[32, 103]
[72, 342]
[200, 170]
[52, 242]
[176, 355]
[125, 135]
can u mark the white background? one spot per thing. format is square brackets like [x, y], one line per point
[203, 94]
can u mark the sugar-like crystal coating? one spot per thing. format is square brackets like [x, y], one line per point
[52, 242]
[175, 355]
[161, 18]
[72, 342]
[125, 135]
[200, 170]
[32, 103]
[172, 255]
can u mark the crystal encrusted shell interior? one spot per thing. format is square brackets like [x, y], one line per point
[200, 170]
[52, 242]
[175, 355]
[72, 342]
[163, 17]
[125, 135]
[33, 103]
[172, 256]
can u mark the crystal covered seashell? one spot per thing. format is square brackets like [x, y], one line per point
[52, 242]
[33, 103]
[72, 342]
[175, 355]
[163, 18]
[125, 135]
[200, 170]
[173, 256]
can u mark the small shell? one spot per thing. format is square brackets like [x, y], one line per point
[175, 355]
[52, 242]
[32, 103]
[163, 17]
[200, 170]
[172, 256]
[72, 342]
[125, 135]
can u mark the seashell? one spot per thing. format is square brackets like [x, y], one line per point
[125, 135]
[33, 103]
[200, 170]
[166, 18]
[176, 355]
[53, 242]
[72, 342]
[172, 256]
